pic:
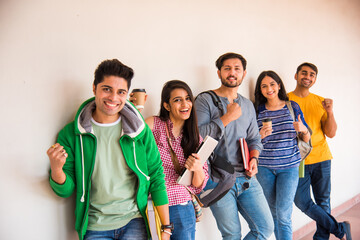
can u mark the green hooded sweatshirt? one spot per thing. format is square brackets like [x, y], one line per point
[140, 153]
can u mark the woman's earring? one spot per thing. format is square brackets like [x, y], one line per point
[166, 106]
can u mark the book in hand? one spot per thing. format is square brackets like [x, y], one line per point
[153, 220]
[245, 153]
[204, 151]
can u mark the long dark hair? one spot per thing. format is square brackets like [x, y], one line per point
[259, 98]
[190, 139]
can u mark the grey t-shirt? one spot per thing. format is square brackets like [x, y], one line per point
[244, 127]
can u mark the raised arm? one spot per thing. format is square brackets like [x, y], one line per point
[233, 112]
[62, 166]
[57, 156]
[329, 126]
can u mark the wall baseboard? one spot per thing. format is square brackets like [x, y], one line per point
[310, 227]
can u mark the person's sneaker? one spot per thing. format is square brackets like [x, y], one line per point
[347, 230]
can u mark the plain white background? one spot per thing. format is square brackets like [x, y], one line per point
[50, 49]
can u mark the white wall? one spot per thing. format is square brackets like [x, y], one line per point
[50, 49]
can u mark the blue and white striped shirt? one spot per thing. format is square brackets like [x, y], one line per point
[280, 147]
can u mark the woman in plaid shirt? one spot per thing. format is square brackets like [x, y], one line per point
[177, 137]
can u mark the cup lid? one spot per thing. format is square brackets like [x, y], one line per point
[267, 120]
[139, 90]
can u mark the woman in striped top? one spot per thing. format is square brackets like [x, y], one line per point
[279, 161]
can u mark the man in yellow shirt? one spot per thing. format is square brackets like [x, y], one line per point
[318, 112]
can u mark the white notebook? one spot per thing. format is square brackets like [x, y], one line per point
[205, 149]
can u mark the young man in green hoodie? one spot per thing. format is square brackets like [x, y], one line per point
[109, 156]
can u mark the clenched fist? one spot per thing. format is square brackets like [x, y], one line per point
[57, 156]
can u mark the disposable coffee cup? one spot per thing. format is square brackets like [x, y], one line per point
[267, 122]
[139, 95]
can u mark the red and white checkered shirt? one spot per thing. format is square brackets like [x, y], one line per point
[177, 193]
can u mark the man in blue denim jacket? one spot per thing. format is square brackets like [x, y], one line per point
[238, 121]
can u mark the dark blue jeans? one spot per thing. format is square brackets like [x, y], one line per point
[279, 186]
[183, 218]
[246, 197]
[318, 175]
[134, 230]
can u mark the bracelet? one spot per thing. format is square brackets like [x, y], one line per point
[170, 226]
[257, 160]
[166, 231]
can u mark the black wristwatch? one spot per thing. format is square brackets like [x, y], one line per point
[170, 226]
[257, 160]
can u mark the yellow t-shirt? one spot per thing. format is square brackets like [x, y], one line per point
[315, 116]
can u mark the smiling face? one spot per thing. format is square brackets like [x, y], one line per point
[179, 105]
[306, 77]
[110, 98]
[232, 73]
[269, 88]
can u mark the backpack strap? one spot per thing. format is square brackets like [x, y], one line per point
[222, 176]
[291, 110]
[223, 164]
[215, 98]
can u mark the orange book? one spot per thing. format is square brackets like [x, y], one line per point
[245, 153]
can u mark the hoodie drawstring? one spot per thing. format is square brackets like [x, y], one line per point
[83, 170]
[147, 177]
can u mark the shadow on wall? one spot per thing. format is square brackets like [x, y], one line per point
[251, 89]
[73, 93]
[69, 218]
[65, 211]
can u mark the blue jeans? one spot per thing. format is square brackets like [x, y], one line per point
[134, 230]
[183, 218]
[318, 176]
[246, 197]
[279, 186]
